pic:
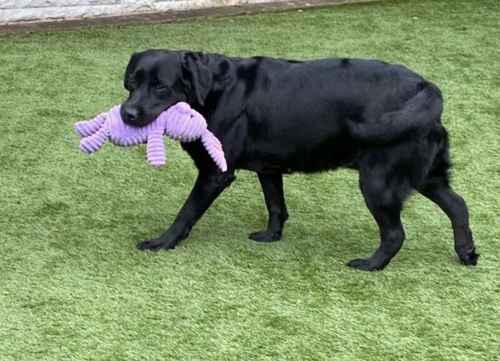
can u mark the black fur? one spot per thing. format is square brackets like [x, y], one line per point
[279, 116]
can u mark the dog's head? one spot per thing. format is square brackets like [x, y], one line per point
[157, 79]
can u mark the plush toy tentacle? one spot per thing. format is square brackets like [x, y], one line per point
[214, 149]
[95, 141]
[156, 148]
[89, 127]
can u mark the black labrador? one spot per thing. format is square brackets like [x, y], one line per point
[278, 116]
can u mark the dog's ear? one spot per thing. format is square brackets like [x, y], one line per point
[130, 68]
[196, 75]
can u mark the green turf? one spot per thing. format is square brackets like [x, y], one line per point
[73, 287]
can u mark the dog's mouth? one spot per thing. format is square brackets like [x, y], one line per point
[136, 117]
[137, 123]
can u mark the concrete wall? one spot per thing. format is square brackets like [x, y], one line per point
[15, 11]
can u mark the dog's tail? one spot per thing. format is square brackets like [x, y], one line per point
[419, 113]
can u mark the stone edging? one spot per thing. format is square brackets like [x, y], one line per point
[172, 16]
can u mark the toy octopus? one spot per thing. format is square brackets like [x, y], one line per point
[180, 122]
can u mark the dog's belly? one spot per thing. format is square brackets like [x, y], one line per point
[288, 158]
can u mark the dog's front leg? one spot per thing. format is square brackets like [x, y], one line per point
[206, 189]
[272, 186]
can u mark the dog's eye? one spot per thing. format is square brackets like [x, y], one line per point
[160, 87]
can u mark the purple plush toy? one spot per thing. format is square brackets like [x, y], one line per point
[179, 122]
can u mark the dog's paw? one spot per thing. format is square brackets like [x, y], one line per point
[468, 257]
[265, 236]
[155, 245]
[364, 265]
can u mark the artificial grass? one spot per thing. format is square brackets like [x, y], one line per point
[73, 287]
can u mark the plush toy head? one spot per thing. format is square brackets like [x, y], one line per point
[179, 122]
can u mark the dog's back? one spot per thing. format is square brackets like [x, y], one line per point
[316, 115]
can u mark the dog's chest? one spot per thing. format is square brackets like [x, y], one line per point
[262, 166]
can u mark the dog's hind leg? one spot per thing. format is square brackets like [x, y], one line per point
[436, 187]
[455, 208]
[272, 186]
[384, 197]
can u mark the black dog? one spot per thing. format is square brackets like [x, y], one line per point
[278, 116]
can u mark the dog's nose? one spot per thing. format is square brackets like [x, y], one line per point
[130, 115]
